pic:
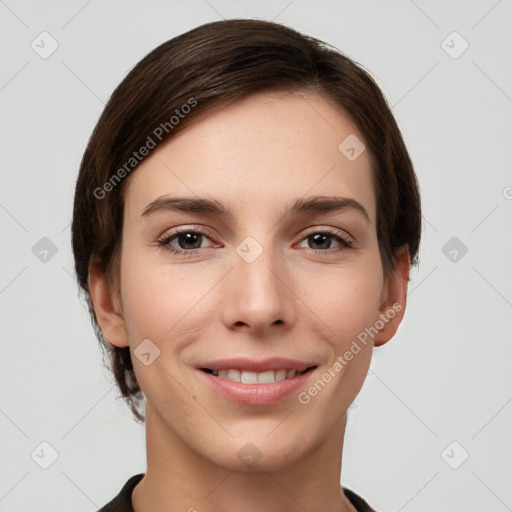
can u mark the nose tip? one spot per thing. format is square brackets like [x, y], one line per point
[258, 296]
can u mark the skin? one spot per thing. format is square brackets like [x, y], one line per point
[256, 156]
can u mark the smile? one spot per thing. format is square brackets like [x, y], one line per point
[250, 377]
[256, 383]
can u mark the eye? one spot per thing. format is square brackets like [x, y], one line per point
[323, 240]
[188, 241]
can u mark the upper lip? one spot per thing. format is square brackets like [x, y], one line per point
[244, 364]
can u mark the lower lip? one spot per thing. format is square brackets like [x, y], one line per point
[256, 394]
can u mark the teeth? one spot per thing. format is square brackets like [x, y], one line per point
[245, 377]
[249, 378]
[267, 377]
[233, 375]
[280, 375]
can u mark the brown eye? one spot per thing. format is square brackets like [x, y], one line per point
[322, 240]
[188, 238]
[188, 241]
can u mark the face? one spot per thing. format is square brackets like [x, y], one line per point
[257, 291]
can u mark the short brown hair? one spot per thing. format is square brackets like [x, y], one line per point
[212, 66]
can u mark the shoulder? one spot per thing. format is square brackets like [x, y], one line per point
[123, 501]
[359, 503]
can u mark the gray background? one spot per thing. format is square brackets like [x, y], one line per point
[446, 376]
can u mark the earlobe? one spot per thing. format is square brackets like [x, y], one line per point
[392, 308]
[107, 307]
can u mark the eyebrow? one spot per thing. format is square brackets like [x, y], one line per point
[311, 204]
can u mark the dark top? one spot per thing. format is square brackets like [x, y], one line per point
[123, 501]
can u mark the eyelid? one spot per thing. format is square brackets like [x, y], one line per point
[187, 229]
[345, 235]
[346, 240]
[163, 241]
[210, 234]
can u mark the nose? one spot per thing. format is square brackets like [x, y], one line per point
[259, 294]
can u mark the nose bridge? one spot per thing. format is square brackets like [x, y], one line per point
[253, 263]
[257, 294]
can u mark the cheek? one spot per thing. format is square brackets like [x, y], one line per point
[154, 297]
[161, 300]
[348, 308]
[346, 312]
[347, 300]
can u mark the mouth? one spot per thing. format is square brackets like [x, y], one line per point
[251, 377]
[251, 388]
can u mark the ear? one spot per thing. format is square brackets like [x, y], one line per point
[394, 298]
[107, 307]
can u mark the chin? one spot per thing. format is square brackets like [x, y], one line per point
[258, 455]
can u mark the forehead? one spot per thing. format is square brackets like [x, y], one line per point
[258, 153]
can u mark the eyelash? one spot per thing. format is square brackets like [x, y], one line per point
[164, 242]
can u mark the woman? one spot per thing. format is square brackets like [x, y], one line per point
[245, 218]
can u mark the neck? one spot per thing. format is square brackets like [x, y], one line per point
[178, 478]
